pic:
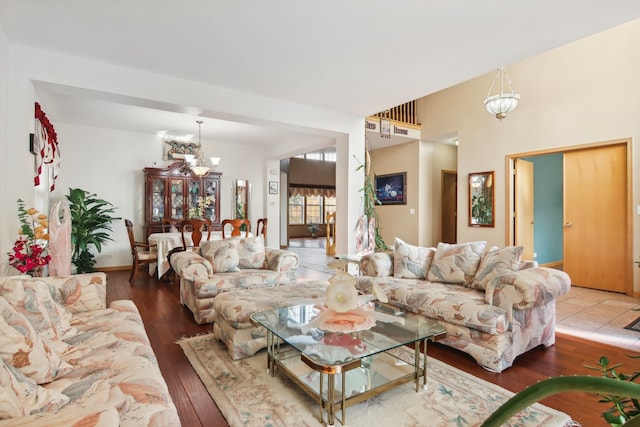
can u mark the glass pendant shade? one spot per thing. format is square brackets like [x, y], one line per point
[501, 100]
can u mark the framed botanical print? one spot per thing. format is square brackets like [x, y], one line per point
[481, 199]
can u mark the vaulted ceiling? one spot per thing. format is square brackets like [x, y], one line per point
[355, 56]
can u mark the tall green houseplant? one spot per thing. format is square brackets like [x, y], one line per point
[370, 200]
[91, 220]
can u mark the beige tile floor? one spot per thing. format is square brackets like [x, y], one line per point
[587, 313]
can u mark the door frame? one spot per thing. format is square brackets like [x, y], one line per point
[509, 194]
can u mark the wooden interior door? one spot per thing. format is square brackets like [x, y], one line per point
[449, 206]
[595, 222]
[524, 204]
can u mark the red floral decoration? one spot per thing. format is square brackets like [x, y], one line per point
[48, 151]
[30, 250]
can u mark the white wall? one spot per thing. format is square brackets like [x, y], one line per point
[582, 93]
[5, 240]
[27, 65]
[111, 166]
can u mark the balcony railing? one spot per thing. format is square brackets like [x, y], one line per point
[405, 113]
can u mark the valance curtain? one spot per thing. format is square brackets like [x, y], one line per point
[311, 190]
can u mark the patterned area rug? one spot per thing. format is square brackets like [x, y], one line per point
[634, 326]
[248, 396]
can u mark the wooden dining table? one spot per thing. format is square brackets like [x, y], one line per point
[167, 241]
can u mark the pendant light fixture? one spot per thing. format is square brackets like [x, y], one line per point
[501, 100]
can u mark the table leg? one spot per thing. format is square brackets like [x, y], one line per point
[331, 399]
[321, 398]
[424, 365]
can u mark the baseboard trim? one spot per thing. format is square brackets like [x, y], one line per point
[555, 264]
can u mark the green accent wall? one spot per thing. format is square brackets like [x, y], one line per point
[547, 194]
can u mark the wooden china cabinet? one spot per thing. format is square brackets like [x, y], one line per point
[170, 192]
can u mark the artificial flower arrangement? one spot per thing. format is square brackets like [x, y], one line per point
[29, 253]
[198, 211]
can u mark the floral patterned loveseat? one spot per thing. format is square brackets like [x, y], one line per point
[229, 264]
[68, 360]
[493, 305]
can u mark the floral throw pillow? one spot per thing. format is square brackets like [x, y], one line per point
[33, 299]
[22, 347]
[21, 396]
[221, 254]
[456, 263]
[497, 261]
[251, 252]
[411, 262]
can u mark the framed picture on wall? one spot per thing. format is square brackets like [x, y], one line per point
[273, 187]
[391, 189]
[481, 199]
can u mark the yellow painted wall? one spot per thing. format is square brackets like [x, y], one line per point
[584, 92]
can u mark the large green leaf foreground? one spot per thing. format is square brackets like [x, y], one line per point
[557, 385]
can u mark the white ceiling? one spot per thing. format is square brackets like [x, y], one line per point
[353, 56]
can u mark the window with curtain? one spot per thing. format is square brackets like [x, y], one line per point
[296, 208]
[313, 210]
[310, 209]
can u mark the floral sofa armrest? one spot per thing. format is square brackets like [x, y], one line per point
[281, 260]
[526, 288]
[191, 265]
[79, 292]
[377, 264]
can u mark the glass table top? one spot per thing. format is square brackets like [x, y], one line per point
[393, 328]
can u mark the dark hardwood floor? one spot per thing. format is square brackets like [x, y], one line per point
[166, 321]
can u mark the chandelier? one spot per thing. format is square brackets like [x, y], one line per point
[501, 100]
[195, 162]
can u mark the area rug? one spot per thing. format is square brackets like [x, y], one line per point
[634, 326]
[248, 396]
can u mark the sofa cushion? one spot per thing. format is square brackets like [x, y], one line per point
[222, 254]
[23, 348]
[456, 263]
[497, 261]
[236, 307]
[411, 262]
[22, 396]
[33, 298]
[251, 252]
[242, 279]
[457, 304]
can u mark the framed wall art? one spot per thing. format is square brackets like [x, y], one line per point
[273, 187]
[176, 150]
[481, 199]
[391, 189]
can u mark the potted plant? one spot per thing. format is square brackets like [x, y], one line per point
[90, 225]
[370, 200]
[313, 228]
[614, 387]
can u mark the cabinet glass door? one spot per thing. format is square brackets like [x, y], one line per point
[157, 199]
[211, 190]
[177, 199]
[194, 193]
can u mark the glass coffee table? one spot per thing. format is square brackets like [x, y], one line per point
[340, 369]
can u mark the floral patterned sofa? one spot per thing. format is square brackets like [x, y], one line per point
[493, 305]
[67, 359]
[224, 265]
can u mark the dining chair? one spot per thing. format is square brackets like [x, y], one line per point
[141, 253]
[196, 227]
[237, 227]
[262, 228]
